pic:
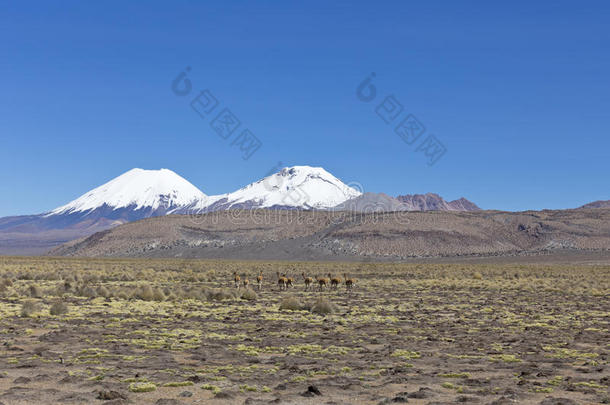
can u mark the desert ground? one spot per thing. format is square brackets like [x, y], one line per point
[169, 331]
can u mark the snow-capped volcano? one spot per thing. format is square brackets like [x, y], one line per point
[138, 189]
[134, 195]
[302, 187]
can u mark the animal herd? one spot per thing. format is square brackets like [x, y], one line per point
[284, 282]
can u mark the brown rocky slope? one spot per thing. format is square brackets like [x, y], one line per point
[317, 235]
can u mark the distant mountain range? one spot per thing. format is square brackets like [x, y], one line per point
[139, 194]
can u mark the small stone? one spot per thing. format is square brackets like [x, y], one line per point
[557, 401]
[503, 401]
[110, 395]
[312, 390]
[167, 401]
[424, 392]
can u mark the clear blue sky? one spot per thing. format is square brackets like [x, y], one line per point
[518, 92]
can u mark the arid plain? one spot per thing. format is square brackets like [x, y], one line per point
[169, 331]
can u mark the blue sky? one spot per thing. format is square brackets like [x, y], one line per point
[518, 93]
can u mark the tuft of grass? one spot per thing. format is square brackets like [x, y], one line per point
[122, 295]
[59, 308]
[35, 291]
[215, 390]
[220, 294]
[102, 292]
[88, 292]
[249, 295]
[28, 308]
[142, 387]
[145, 293]
[158, 295]
[406, 354]
[323, 306]
[506, 358]
[590, 384]
[290, 304]
[546, 390]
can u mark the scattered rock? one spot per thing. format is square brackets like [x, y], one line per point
[186, 394]
[558, 401]
[312, 390]
[424, 392]
[22, 380]
[167, 401]
[503, 401]
[117, 401]
[70, 379]
[465, 398]
[110, 395]
[252, 401]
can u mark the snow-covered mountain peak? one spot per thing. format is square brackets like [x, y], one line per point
[138, 189]
[295, 187]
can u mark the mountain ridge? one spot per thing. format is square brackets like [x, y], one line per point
[139, 194]
[596, 204]
[320, 235]
[301, 187]
[434, 202]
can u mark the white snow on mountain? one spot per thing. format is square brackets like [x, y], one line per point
[138, 189]
[302, 187]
